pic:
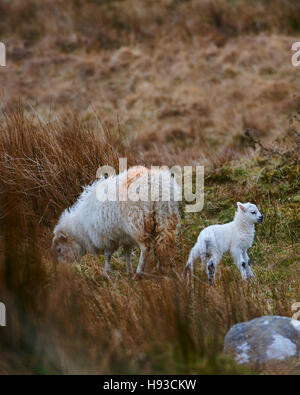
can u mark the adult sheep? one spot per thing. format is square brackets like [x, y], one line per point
[123, 210]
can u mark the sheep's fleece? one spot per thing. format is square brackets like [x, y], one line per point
[97, 225]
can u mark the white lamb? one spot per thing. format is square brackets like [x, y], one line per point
[236, 236]
[97, 226]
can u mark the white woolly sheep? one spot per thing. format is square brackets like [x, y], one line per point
[97, 225]
[236, 236]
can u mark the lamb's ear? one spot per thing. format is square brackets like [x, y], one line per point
[240, 205]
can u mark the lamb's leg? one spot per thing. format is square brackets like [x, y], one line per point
[194, 255]
[248, 267]
[127, 253]
[204, 259]
[211, 267]
[246, 257]
[238, 258]
[107, 255]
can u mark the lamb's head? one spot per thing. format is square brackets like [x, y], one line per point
[250, 212]
[65, 248]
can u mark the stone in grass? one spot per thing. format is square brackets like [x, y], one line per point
[264, 340]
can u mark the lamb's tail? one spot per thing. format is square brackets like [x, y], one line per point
[189, 267]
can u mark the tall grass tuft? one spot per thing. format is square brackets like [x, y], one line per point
[45, 163]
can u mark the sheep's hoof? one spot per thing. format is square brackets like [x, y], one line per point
[164, 272]
[139, 276]
[143, 275]
[155, 271]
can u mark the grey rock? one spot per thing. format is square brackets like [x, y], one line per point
[263, 340]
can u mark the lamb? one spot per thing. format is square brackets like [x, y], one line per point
[100, 226]
[236, 236]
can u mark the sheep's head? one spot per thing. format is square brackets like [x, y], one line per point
[250, 212]
[65, 248]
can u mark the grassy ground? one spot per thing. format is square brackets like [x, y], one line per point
[173, 82]
[71, 319]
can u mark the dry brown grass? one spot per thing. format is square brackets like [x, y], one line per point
[177, 73]
[185, 78]
[70, 320]
[45, 164]
[75, 322]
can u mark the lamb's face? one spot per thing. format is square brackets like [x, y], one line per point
[250, 212]
[66, 249]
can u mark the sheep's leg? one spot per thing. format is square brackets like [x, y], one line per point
[248, 267]
[127, 252]
[238, 258]
[143, 258]
[165, 243]
[107, 255]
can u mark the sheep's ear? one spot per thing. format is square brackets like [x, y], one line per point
[240, 205]
[61, 236]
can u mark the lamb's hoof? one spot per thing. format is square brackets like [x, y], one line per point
[105, 274]
[211, 282]
[247, 279]
[186, 272]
